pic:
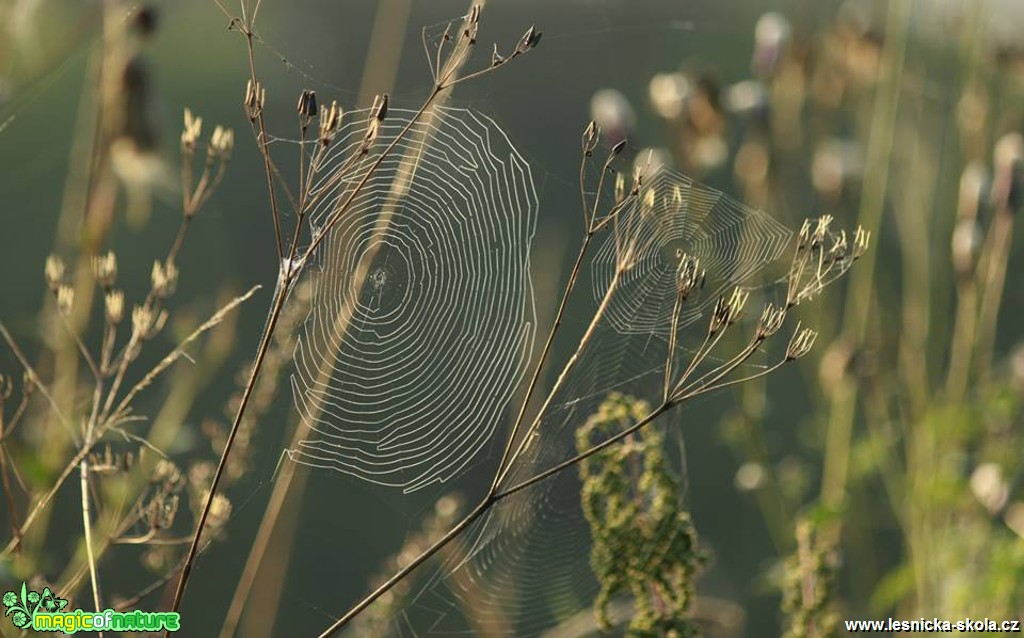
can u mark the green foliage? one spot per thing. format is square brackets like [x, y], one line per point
[643, 542]
[808, 588]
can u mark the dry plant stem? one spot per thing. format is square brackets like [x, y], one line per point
[400, 575]
[673, 332]
[44, 500]
[700, 386]
[963, 339]
[9, 493]
[267, 527]
[271, 524]
[994, 282]
[261, 142]
[535, 378]
[83, 469]
[570, 364]
[493, 495]
[102, 423]
[289, 275]
[589, 215]
[658, 411]
[121, 412]
[564, 465]
[5, 472]
[858, 304]
[280, 294]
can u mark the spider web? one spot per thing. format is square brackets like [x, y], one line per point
[523, 568]
[422, 318]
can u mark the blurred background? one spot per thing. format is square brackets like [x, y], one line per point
[896, 442]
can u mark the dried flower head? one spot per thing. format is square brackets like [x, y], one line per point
[255, 98]
[54, 272]
[222, 142]
[861, 242]
[378, 112]
[801, 343]
[690, 276]
[65, 299]
[147, 322]
[159, 511]
[28, 384]
[191, 131]
[591, 138]
[113, 306]
[104, 267]
[166, 472]
[380, 107]
[821, 258]
[164, 278]
[770, 321]
[330, 122]
[472, 24]
[529, 40]
[307, 108]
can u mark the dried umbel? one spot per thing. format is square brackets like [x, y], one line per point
[147, 322]
[110, 462]
[822, 257]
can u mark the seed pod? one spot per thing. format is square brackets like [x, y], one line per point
[801, 343]
[307, 107]
[255, 98]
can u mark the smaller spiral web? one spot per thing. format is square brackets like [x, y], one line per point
[523, 568]
[422, 314]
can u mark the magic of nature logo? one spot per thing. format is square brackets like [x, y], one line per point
[44, 611]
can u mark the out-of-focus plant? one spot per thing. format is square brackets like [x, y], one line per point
[84, 404]
[918, 394]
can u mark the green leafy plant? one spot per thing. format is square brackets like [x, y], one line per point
[644, 543]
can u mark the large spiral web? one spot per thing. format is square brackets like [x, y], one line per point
[523, 568]
[422, 318]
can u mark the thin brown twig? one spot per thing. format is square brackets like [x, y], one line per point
[566, 293]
